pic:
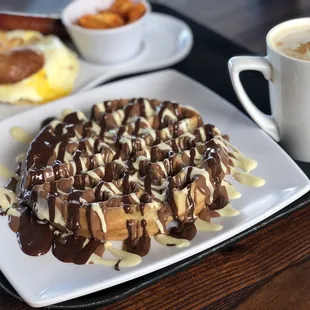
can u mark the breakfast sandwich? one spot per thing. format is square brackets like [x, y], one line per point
[35, 69]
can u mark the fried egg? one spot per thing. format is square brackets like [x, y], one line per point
[54, 80]
[18, 38]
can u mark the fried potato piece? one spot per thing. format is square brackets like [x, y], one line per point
[136, 12]
[103, 20]
[120, 13]
[121, 7]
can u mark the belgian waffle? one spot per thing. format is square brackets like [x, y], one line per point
[131, 169]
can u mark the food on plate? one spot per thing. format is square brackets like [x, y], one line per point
[127, 173]
[18, 38]
[101, 21]
[136, 12]
[120, 13]
[121, 7]
[18, 65]
[44, 25]
[35, 68]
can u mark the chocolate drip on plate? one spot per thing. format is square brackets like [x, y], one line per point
[71, 249]
[116, 267]
[3, 213]
[34, 238]
[184, 231]
[219, 203]
[134, 244]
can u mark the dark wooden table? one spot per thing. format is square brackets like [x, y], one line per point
[269, 269]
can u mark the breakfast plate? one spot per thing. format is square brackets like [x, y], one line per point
[154, 55]
[63, 281]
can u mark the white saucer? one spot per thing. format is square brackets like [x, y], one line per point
[167, 41]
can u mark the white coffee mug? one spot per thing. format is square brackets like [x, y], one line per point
[289, 89]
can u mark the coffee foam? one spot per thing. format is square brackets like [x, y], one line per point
[293, 42]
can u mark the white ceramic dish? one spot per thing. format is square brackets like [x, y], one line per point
[104, 46]
[154, 55]
[42, 281]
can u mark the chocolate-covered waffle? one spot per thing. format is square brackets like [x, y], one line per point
[125, 174]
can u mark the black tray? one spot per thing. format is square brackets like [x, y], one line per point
[207, 63]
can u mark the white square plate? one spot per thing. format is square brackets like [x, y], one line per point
[42, 281]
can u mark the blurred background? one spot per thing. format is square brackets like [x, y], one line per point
[244, 21]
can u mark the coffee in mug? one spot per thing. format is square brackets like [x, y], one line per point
[287, 69]
[294, 42]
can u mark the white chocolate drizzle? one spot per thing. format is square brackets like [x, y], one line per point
[21, 135]
[247, 179]
[247, 164]
[159, 225]
[228, 211]
[6, 173]
[7, 199]
[97, 209]
[207, 226]
[231, 191]
[124, 258]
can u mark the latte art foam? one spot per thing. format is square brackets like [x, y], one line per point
[294, 42]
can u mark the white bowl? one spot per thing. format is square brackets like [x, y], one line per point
[103, 46]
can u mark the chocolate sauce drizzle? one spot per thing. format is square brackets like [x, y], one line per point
[71, 249]
[116, 160]
[135, 244]
[34, 238]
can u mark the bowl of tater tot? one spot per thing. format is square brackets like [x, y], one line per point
[106, 31]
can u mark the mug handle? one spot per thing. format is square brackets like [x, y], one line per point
[242, 63]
